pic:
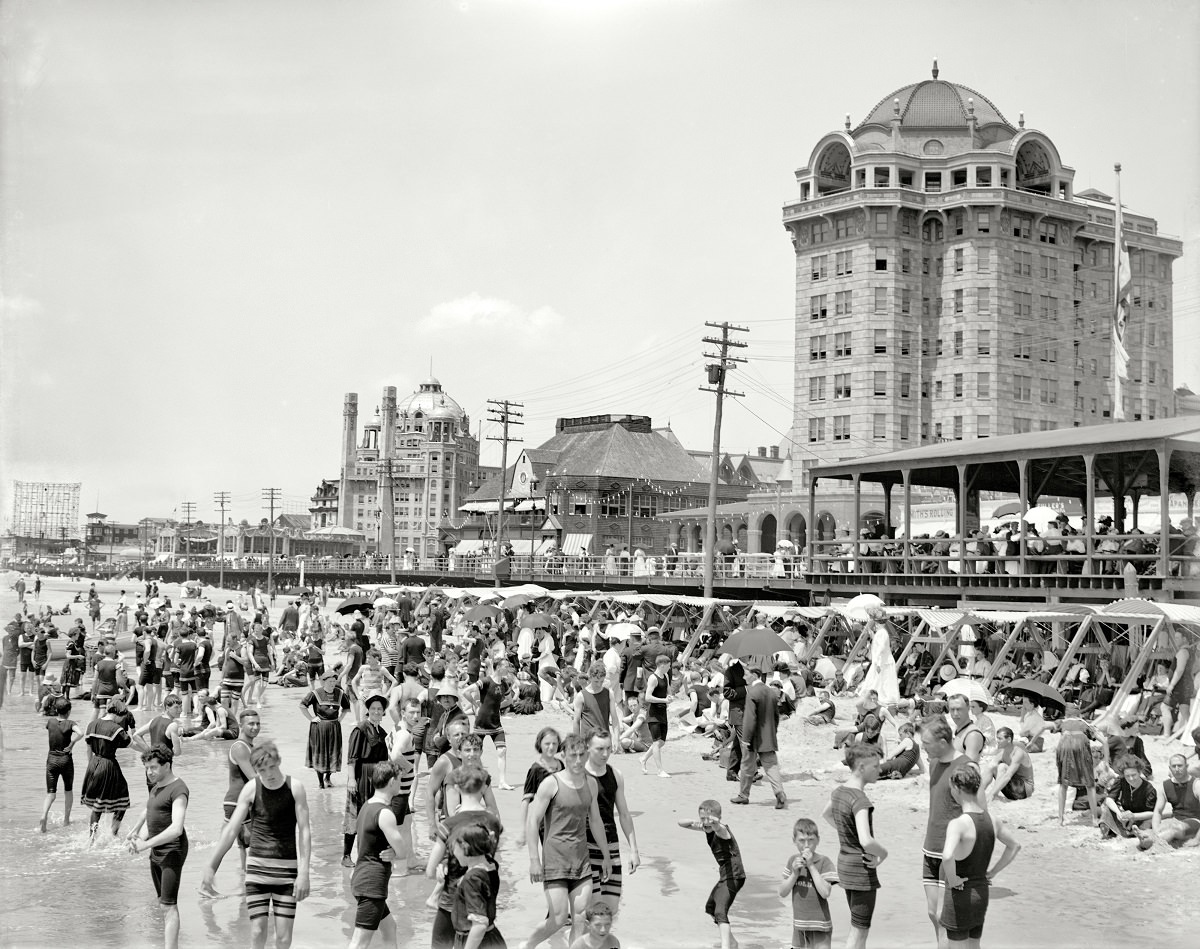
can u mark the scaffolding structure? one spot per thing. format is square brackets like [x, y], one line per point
[46, 510]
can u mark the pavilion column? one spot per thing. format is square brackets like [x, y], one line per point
[1191, 502]
[906, 474]
[1164, 509]
[811, 539]
[960, 515]
[887, 506]
[857, 517]
[1023, 466]
[1089, 512]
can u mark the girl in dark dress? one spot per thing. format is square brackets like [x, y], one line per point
[545, 764]
[105, 789]
[325, 707]
[368, 747]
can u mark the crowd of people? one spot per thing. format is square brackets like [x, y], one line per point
[427, 685]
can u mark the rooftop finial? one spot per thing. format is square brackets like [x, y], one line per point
[847, 121]
[935, 69]
[1021, 120]
[971, 105]
[896, 106]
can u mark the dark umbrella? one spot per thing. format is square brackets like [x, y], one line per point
[1040, 692]
[517, 599]
[296, 591]
[537, 621]
[759, 641]
[481, 611]
[353, 603]
[726, 547]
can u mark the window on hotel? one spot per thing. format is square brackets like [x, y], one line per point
[933, 181]
[816, 429]
[905, 385]
[881, 383]
[983, 426]
[844, 263]
[906, 302]
[841, 428]
[841, 385]
[816, 347]
[842, 303]
[818, 308]
[905, 426]
[881, 258]
[958, 428]
[879, 426]
[983, 260]
[881, 343]
[816, 389]
[841, 345]
[819, 265]
[983, 299]
[958, 385]
[958, 301]
[983, 385]
[1023, 388]
[906, 261]
[881, 304]
[905, 342]
[881, 219]
[983, 219]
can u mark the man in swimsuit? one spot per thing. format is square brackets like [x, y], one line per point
[969, 739]
[611, 785]
[1182, 792]
[937, 738]
[489, 694]
[277, 859]
[970, 840]
[405, 755]
[241, 771]
[162, 729]
[594, 705]
[1014, 769]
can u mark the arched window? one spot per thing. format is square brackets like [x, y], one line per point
[833, 169]
[1034, 168]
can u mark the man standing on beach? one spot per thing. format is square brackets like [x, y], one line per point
[760, 738]
[937, 737]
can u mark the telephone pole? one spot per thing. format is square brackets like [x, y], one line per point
[501, 412]
[189, 508]
[272, 497]
[221, 499]
[716, 377]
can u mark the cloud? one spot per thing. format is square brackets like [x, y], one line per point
[19, 307]
[488, 315]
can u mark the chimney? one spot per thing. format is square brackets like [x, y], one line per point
[774, 451]
[349, 455]
[762, 451]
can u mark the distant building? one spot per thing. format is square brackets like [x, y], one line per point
[600, 481]
[421, 450]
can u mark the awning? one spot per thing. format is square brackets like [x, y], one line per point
[468, 547]
[552, 523]
[546, 546]
[487, 507]
[575, 544]
[531, 504]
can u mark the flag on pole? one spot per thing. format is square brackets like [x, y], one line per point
[1122, 286]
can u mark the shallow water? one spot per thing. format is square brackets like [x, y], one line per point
[1066, 890]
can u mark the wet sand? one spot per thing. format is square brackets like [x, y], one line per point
[1067, 889]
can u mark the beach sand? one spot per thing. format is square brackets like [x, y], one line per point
[1068, 888]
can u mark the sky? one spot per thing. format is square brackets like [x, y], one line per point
[218, 218]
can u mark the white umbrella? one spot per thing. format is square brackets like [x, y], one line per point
[621, 631]
[1041, 517]
[827, 668]
[857, 608]
[972, 689]
[785, 545]
[385, 602]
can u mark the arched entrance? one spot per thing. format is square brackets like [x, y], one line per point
[766, 536]
[826, 527]
[797, 530]
[741, 538]
[872, 521]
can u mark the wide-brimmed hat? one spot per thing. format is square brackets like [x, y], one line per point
[449, 687]
[375, 698]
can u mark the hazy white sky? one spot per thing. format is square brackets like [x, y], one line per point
[220, 217]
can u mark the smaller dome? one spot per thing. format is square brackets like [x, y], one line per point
[935, 103]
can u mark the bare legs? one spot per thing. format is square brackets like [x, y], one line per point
[558, 899]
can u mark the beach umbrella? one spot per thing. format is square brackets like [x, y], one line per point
[482, 611]
[537, 621]
[295, 591]
[785, 545]
[827, 667]
[350, 604]
[972, 689]
[155, 604]
[759, 641]
[385, 603]
[726, 547]
[621, 631]
[517, 599]
[859, 606]
[1040, 692]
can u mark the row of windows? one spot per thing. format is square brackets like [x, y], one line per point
[818, 346]
[1022, 304]
[933, 231]
[1022, 263]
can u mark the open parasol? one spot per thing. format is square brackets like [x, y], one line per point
[537, 621]
[859, 607]
[480, 612]
[621, 631]
[971, 689]
[385, 603]
[759, 641]
[1040, 692]
[827, 667]
[350, 604]
[517, 599]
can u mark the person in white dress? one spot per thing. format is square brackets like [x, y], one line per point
[881, 677]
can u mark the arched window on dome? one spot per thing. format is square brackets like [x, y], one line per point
[1034, 169]
[833, 169]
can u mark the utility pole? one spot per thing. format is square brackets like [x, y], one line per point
[716, 377]
[271, 496]
[189, 508]
[501, 412]
[221, 499]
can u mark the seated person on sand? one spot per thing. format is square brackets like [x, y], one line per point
[867, 705]
[1014, 769]
[1123, 737]
[635, 733]
[1180, 792]
[1130, 806]
[906, 757]
[985, 724]
[825, 711]
[1154, 690]
[1031, 726]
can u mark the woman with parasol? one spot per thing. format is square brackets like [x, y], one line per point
[881, 677]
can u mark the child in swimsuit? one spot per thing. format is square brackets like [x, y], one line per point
[729, 864]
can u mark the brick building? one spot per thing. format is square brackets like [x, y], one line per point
[950, 284]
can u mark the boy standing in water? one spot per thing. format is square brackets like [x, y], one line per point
[850, 812]
[729, 864]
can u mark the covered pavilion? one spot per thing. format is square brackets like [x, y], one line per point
[1126, 460]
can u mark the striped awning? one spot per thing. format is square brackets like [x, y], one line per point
[575, 544]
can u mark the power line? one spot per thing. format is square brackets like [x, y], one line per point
[189, 508]
[271, 496]
[221, 499]
[503, 412]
